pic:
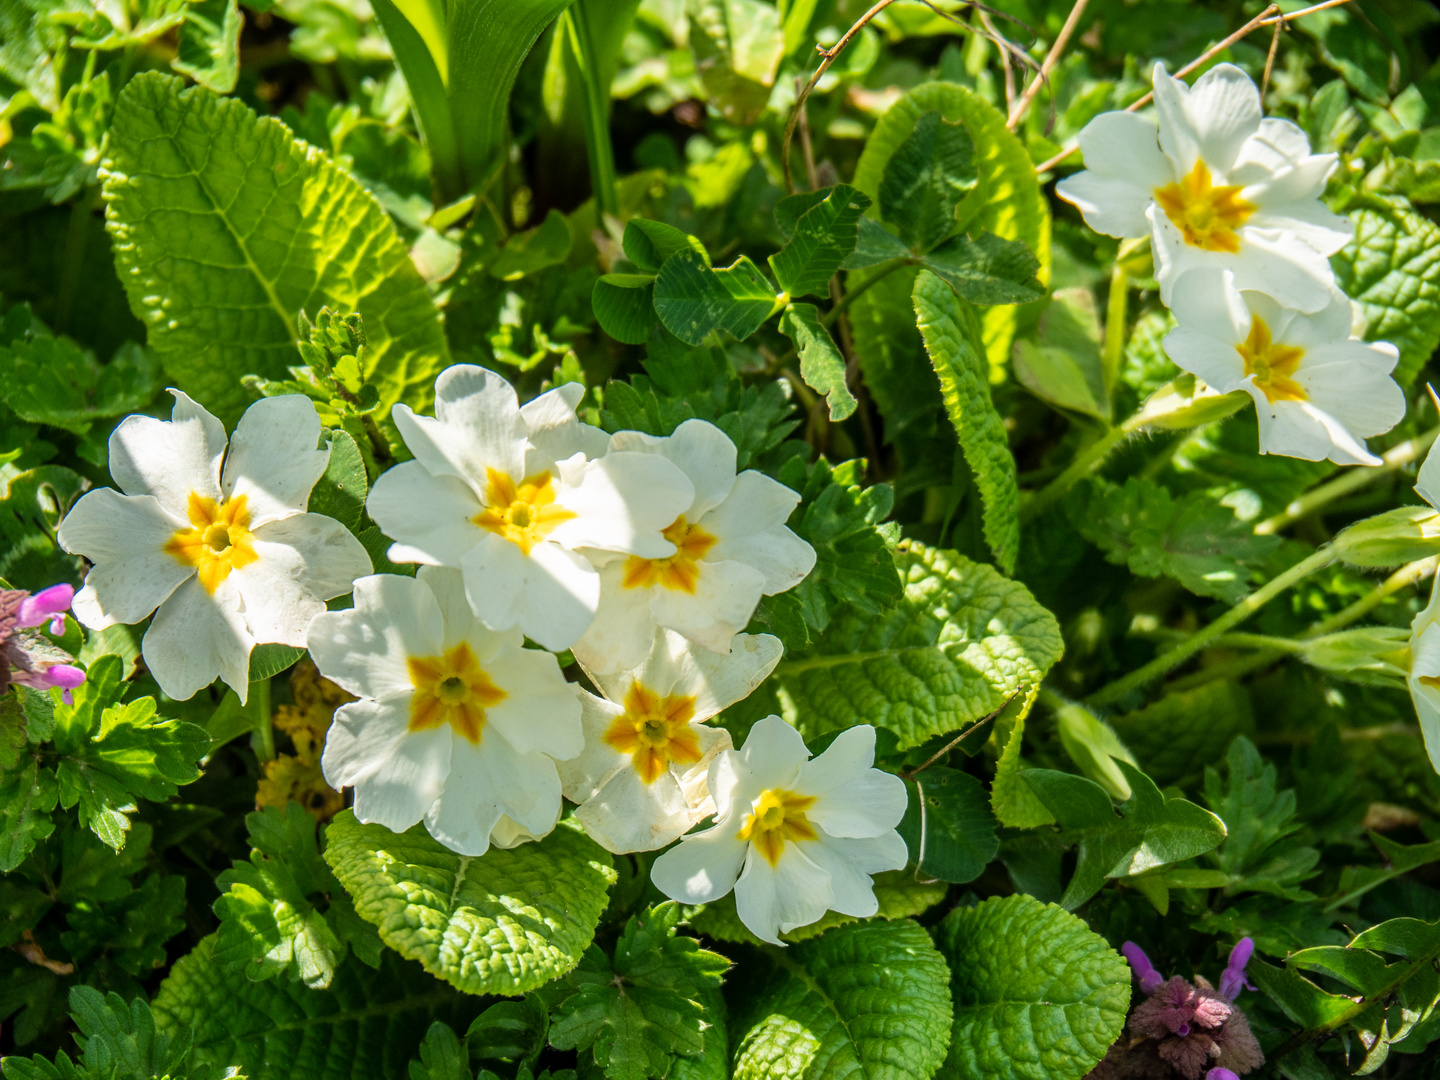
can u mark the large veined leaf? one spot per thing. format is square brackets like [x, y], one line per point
[960, 644]
[951, 334]
[1390, 270]
[869, 1000]
[366, 1026]
[225, 228]
[1038, 996]
[503, 923]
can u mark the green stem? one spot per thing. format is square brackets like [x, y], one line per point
[595, 97]
[1089, 459]
[1239, 613]
[1115, 313]
[858, 289]
[77, 239]
[262, 739]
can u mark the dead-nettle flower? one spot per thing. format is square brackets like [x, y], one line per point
[27, 659]
[1185, 1029]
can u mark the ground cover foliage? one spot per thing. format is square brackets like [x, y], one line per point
[1141, 683]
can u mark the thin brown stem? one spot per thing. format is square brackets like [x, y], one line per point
[910, 774]
[1042, 77]
[1008, 68]
[807, 151]
[1270, 60]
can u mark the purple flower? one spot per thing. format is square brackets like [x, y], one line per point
[1221, 1074]
[1233, 980]
[64, 677]
[26, 658]
[51, 604]
[1145, 972]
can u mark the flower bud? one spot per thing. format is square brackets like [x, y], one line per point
[1186, 402]
[1398, 536]
[1377, 655]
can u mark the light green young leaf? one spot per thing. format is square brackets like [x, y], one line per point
[948, 825]
[1038, 995]
[738, 46]
[822, 237]
[1062, 365]
[870, 1000]
[533, 250]
[208, 49]
[822, 365]
[952, 338]
[501, 924]
[49, 380]
[207, 201]
[961, 642]
[926, 179]
[694, 301]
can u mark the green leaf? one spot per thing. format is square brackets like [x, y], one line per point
[1175, 737]
[510, 1030]
[694, 301]
[118, 1042]
[821, 364]
[961, 642]
[209, 44]
[1192, 539]
[225, 228]
[640, 1009]
[821, 239]
[24, 53]
[648, 244]
[987, 270]
[366, 1026]
[503, 923]
[31, 506]
[48, 380]
[27, 795]
[952, 338]
[341, 492]
[271, 658]
[948, 825]
[1356, 881]
[1389, 268]
[874, 245]
[926, 179]
[442, 1056]
[738, 46]
[531, 251]
[870, 1000]
[1038, 996]
[1149, 830]
[624, 305]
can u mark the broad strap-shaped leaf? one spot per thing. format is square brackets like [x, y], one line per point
[821, 239]
[225, 228]
[1150, 830]
[503, 923]
[822, 365]
[926, 179]
[693, 301]
[948, 825]
[987, 269]
[952, 338]
[1390, 269]
[1038, 995]
[961, 643]
[366, 1026]
[871, 1000]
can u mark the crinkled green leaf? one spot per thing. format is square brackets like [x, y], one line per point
[48, 380]
[366, 1026]
[961, 643]
[926, 179]
[1149, 830]
[1192, 539]
[948, 825]
[225, 228]
[871, 1000]
[821, 239]
[952, 338]
[1038, 995]
[694, 301]
[503, 923]
[637, 1011]
[822, 365]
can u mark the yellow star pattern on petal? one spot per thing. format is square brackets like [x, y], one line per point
[1206, 215]
[524, 514]
[680, 571]
[451, 689]
[219, 539]
[1272, 365]
[776, 817]
[655, 731]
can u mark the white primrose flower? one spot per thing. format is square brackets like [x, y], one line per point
[225, 556]
[508, 496]
[642, 779]
[731, 547]
[1216, 186]
[793, 837]
[456, 724]
[1424, 678]
[1318, 391]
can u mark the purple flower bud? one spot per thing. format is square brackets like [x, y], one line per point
[51, 604]
[1150, 979]
[1220, 1074]
[64, 676]
[1233, 980]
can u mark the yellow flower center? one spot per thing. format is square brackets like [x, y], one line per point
[1207, 215]
[776, 817]
[524, 515]
[1272, 365]
[680, 571]
[218, 540]
[1432, 681]
[451, 689]
[655, 731]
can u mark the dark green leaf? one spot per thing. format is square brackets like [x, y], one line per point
[53, 381]
[822, 365]
[948, 825]
[648, 244]
[694, 301]
[926, 179]
[987, 269]
[442, 1056]
[874, 245]
[625, 306]
[531, 251]
[822, 238]
[341, 492]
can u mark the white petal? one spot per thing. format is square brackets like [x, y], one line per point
[773, 754]
[1324, 327]
[1351, 382]
[362, 737]
[196, 638]
[551, 594]
[1299, 429]
[629, 815]
[623, 630]
[1307, 222]
[1425, 661]
[477, 426]
[583, 775]
[1208, 122]
[714, 680]
[555, 432]
[273, 460]
[1206, 301]
[124, 536]
[448, 588]
[852, 799]
[509, 834]
[793, 893]
[407, 781]
[431, 517]
[1209, 358]
[750, 527]
[1277, 146]
[1123, 167]
[169, 459]
[621, 503]
[702, 867]
[700, 450]
[304, 561]
[541, 711]
[1427, 484]
[695, 779]
[724, 599]
[850, 864]
[486, 782]
[365, 649]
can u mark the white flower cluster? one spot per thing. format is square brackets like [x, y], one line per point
[645, 556]
[1231, 203]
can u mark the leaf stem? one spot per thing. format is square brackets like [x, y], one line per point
[1116, 690]
[262, 739]
[886, 269]
[1115, 312]
[1087, 460]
